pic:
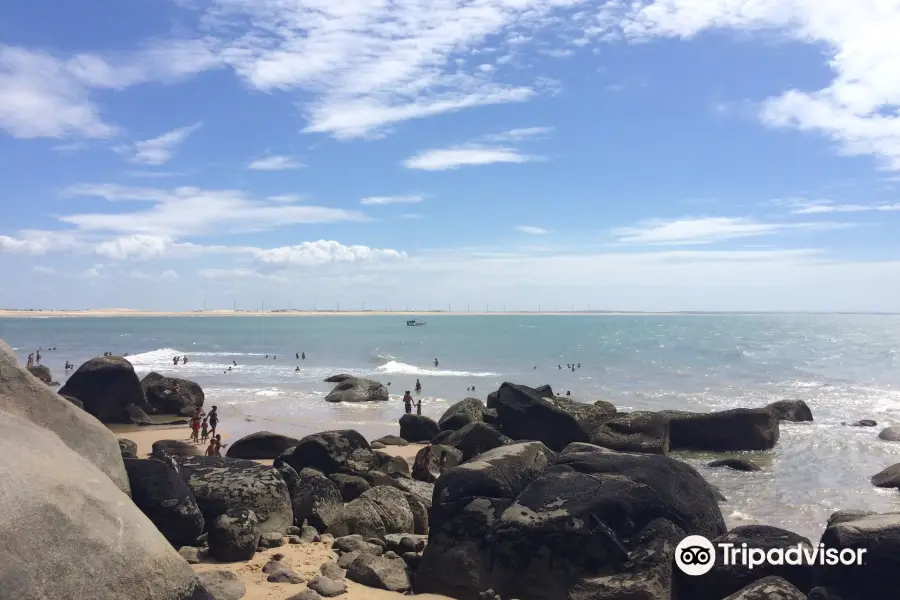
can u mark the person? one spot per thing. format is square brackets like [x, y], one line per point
[175, 360]
[297, 355]
[435, 361]
[234, 362]
[204, 431]
[418, 385]
[297, 369]
[407, 402]
[213, 420]
[219, 445]
[195, 428]
[30, 362]
[184, 360]
[211, 449]
[419, 409]
[303, 356]
[38, 357]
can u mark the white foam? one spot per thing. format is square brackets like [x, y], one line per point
[398, 368]
[271, 392]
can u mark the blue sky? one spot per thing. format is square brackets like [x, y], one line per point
[649, 155]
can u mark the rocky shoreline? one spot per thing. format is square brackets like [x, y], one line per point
[529, 496]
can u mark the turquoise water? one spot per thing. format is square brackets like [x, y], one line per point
[846, 368]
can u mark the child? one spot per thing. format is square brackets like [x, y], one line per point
[204, 430]
[219, 445]
[195, 428]
[211, 449]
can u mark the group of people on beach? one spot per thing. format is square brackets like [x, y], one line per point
[408, 401]
[203, 428]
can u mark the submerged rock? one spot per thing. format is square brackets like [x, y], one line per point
[724, 431]
[737, 464]
[796, 411]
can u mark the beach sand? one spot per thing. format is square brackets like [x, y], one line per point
[304, 559]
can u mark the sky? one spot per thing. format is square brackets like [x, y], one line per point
[653, 155]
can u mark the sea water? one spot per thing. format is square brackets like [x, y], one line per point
[846, 367]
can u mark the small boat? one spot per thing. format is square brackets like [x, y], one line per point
[414, 323]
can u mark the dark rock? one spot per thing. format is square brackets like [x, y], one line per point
[106, 385]
[377, 446]
[234, 535]
[642, 432]
[738, 464]
[412, 560]
[329, 452]
[376, 478]
[888, 478]
[190, 554]
[378, 511]
[890, 434]
[421, 490]
[356, 543]
[476, 438]
[864, 423]
[821, 593]
[355, 389]
[308, 534]
[725, 431]
[293, 529]
[464, 412]
[391, 440]
[220, 484]
[315, 499]
[351, 487]
[172, 396]
[306, 594]
[769, 588]
[723, 579]
[270, 540]
[177, 448]
[275, 564]
[326, 586]
[607, 407]
[74, 401]
[379, 572]
[260, 446]
[433, 460]
[136, 415]
[441, 437]
[417, 428]
[419, 509]
[845, 516]
[338, 378]
[286, 575]
[345, 560]
[332, 570]
[389, 465]
[127, 448]
[42, 373]
[223, 585]
[796, 411]
[404, 542]
[161, 494]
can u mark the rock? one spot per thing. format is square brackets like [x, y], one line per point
[338, 378]
[356, 543]
[172, 396]
[876, 537]
[380, 572]
[275, 564]
[864, 423]
[234, 535]
[417, 428]
[377, 446]
[316, 500]
[136, 415]
[356, 389]
[376, 478]
[272, 539]
[642, 432]
[404, 542]
[476, 438]
[351, 487]
[127, 448]
[820, 593]
[26, 398]
[42, 373]
[464, 412]
[391, 440]
[738, 464]
[890, 434]
[326, 538]
[106, 385]
[769, 588]
[332, 570]
[309, 534]
[389, 465]
[190, 554]
[177, 448]
[378, 511]
[725, 431]
[723, 580]
[888, 478]
[306, 594]
[293, 530]
[378, 542]
[440, 458]
[74, 401]
[223, 483]
[260, 446]
[443, 436]
[326, 586]
[419, 510]
[223, 585]
[796, 411]
[329, 452]
[294, 539]
[161, 494]
[607, 407]
[421, 490]
[286, 575]
[345, 560]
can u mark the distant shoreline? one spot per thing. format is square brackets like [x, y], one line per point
[125, 312]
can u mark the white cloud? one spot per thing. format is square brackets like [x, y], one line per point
[275, 163]
[828, 207]
[323, 252]
[37, 242]
[188, 211]
[44, 270]
[519, 135]
[165, 276]
[531, 229]
[385, 200]
[95, 272]
[236, 274]
[453, 158]
[159, 150]
[708, 230]
[139, 247]
[286, 198]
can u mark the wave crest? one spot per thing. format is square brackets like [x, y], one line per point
[398, 368]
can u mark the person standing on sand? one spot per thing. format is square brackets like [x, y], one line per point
[219, 445]
[211, 449]
[204, 431]
[213, 420]
[407, 402]
[419, 407]
[195, 428]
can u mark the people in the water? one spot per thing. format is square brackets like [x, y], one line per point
[418, 385]
[435, 361]
[407, 402]
[303, 356]
[419, 407]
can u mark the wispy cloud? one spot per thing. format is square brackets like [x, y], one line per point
[385, 200]
[454, 158]
[828, 207]
[275, 163]
[519, 135]
[708, 230]
[165, 276]
[532, 230]
[159, 150]
[322, 252]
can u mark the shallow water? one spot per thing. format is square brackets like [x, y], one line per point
[845, 367]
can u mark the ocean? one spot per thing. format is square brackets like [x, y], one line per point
[846, 367]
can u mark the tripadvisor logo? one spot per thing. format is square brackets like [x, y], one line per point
[695, 555]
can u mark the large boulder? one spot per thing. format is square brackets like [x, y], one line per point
[417, 428]
[464, 412]
[177, 448]
[101, 546]
[42, 372]
[261, 445]
[161, 494]
[380, 572]
[338, 378]
[725, 431]
[350, 486]
[106, 385]
[341, 451]
[771, 588]
[432, 461]
[172, 396]
[316, 499]
[234, 535]
[378, 511]
[890, 434]
[642, 432]
[355, 389]
[887, 478]
[27, 398]
[220, 484]
[475, 438]
[796, 411]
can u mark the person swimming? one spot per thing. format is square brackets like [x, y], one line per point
[418, 385]
[303, 356]
[435, 361]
